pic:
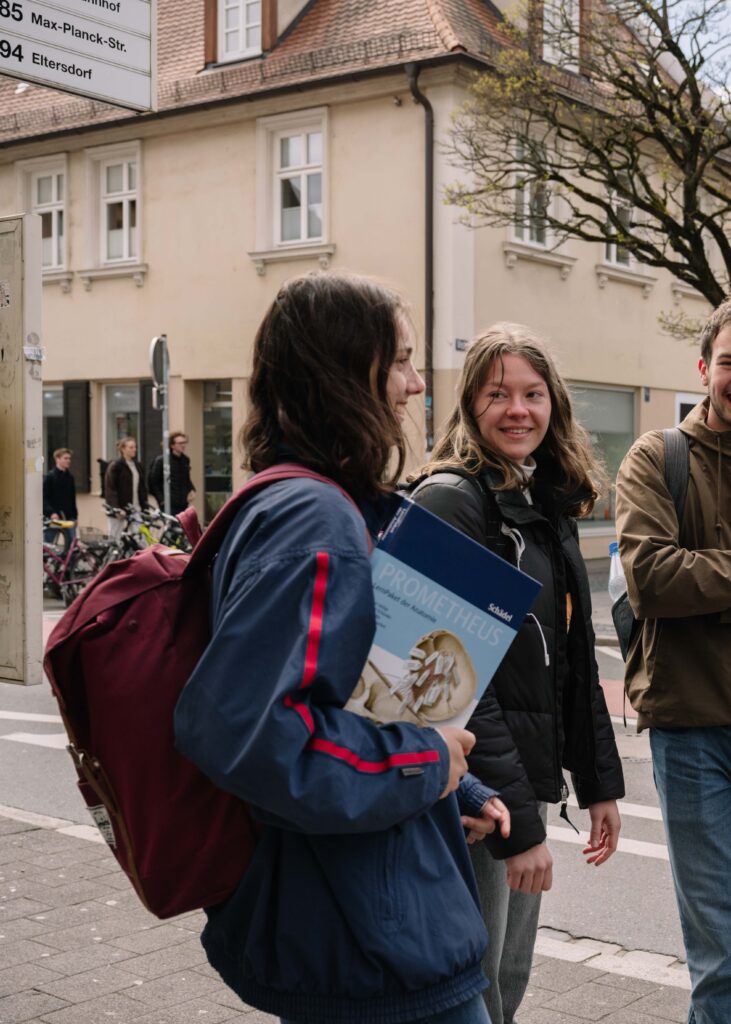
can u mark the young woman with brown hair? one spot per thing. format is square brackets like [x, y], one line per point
[359, 906]
[512, 470]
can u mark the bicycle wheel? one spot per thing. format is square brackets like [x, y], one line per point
[51, 585]
[83, 569]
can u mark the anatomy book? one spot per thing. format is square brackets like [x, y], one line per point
[447, 610]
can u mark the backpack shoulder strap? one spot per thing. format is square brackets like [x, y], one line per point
[677, 470]
[207, 547]
[493, 519]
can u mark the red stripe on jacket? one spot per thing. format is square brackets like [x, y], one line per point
[392, 761]
[314, 632]
[314, 635]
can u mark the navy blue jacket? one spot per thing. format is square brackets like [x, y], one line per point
[359, 906]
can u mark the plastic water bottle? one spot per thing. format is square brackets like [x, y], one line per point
[617, 582]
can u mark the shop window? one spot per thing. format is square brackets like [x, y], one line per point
[608, 414]
[122, 416]
[66, 425]
[54, 426]
[684, 402]
[217, 445]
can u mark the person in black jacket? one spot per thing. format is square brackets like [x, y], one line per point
[512, 470]
[181, 486]
[59, 495]
[124, 484]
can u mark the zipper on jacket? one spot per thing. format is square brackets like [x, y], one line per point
[563, 813]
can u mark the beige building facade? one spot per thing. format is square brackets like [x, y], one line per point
[186, 222]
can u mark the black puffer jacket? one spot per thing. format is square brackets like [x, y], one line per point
[545, 710]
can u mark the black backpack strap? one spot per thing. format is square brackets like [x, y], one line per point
[677, 468]
[496, 540]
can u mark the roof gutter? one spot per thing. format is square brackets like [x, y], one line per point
[412, 74]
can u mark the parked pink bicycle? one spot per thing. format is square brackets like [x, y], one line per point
[67, 570]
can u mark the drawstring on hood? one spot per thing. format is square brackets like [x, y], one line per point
[517, 538]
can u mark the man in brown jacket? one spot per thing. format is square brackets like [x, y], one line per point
[678, 673]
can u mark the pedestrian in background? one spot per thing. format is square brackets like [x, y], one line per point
[181, 486]
[59, 496]
[359, 905]
[512, 470]
[124, 484]
[678, 677]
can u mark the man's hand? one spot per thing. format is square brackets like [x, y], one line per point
[55, 515]
[604, 835]
[531, 871]
[459, 743]
[492, 813]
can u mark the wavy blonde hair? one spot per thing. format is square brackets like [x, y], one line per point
[461, 445]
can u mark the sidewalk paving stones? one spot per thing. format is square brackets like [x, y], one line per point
[76, 947]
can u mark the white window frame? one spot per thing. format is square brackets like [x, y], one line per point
[97, 162]
[28, 173]
[526, 233]
[244, 9]
[270, 132]
[568, 61]
[127, 197]
[611, 249]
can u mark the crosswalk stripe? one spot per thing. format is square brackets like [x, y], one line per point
[642, 849]
[631, 810]
[28, 716]
[611, 652]
[57, 741]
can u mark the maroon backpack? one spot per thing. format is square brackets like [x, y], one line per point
[117, 662]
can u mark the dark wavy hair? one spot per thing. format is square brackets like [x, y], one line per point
[322, 356]
[462, 446]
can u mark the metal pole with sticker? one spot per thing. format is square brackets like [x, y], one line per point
[21, 451]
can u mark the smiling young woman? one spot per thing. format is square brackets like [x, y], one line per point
[512, 470]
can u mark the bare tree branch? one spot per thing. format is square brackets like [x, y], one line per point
[622, 138]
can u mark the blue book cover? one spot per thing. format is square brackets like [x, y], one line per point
[447, 610]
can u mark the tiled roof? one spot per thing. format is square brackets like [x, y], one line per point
[332, 38]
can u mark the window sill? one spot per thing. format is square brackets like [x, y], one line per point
[136, 271]
[514, 251]
[681, 290]
[233, 58]
[319, 252]
[62, 278]
[611, 272]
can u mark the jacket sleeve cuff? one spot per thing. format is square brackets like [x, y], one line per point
[472, 795]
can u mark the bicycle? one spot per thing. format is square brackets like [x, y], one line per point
[66, 571]
[144, 527]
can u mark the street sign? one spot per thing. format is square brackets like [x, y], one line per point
[160, 370]
[102, 49]
[159, 360]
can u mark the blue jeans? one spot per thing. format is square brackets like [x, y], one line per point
[471, 1012]
[692, 769]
